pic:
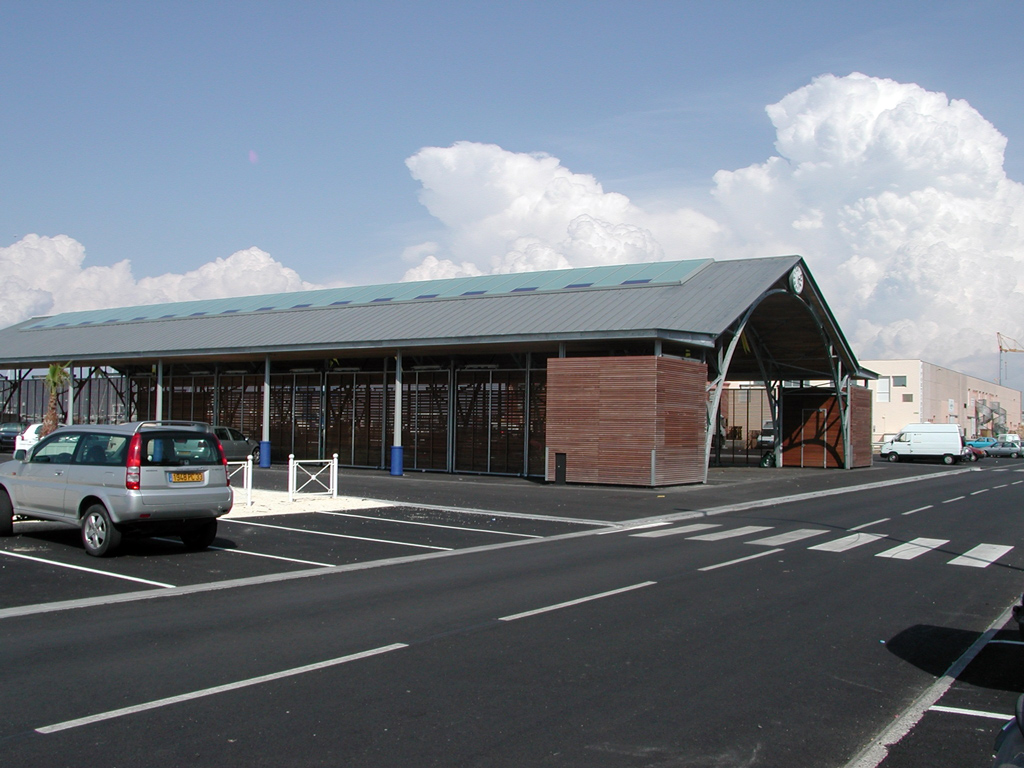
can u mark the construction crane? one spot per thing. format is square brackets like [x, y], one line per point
[1006, 344]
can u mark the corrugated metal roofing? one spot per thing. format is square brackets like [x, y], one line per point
[693, 301]
[658, 273]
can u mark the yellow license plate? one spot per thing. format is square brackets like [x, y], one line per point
[186, 477]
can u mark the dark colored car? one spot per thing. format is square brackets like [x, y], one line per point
[1010, 742]
[9, 432]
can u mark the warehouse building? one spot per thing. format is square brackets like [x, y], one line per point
[610, 374]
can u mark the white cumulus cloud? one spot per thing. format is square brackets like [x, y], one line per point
[894, 194]
[45, 276]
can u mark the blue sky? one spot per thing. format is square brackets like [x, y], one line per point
[174, 134]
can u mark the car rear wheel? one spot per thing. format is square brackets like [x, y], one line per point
[948, 459]
[99, 536]
[6, 515]
[256, 455]
[200, 536]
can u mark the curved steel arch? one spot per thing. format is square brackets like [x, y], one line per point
[725, 359]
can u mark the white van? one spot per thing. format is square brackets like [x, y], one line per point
[1009, 437]
[937, 441]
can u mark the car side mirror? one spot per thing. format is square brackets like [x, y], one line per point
[20, 454]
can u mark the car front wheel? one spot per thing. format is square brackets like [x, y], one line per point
[99, 536]
[893, 457]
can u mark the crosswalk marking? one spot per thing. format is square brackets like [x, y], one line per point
[670, 531]
[849, 542]
[782, 539]
[913, 549]
[981, 556]
[729, 534]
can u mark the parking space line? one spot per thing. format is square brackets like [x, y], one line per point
[215, 690]
[337, 535]
[88, 570]
[429, 525]
[578, 601]
[981, 556]
[627, 527]
[972, 712]
[271, 557]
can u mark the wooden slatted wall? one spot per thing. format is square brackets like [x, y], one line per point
[607, 414]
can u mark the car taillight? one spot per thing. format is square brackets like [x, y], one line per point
[223, 460]
[133, 467]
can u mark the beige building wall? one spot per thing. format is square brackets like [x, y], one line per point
[914, 391]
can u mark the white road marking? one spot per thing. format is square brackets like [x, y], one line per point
[868, 525]
[981, 556]
[88, 570]
[683, 529]
[430, 525]
[337, 535]
[740, 560]
[957, 498]
[971, 712]
[919, 509]
[253, 554]
[627, 527]
[215, 690]
[1000, 486]
[849, 542]
[731, 533]
[913, 549]
[570, 603]
[976, 493]
[788, 538]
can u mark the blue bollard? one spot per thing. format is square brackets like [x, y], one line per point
[264, 453]
[396, 460]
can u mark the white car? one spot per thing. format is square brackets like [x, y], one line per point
[28, 438]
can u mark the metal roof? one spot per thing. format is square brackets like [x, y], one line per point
[688, 301]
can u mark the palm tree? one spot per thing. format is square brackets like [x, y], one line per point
[57, 377]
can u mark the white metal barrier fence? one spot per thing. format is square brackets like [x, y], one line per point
[313, 471]
[245, 468]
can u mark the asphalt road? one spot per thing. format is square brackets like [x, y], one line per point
[676, 627]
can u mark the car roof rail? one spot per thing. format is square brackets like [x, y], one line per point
[194, 424]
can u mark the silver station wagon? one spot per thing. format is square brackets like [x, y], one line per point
[149, 477]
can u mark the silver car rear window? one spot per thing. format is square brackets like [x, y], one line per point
[179, 449]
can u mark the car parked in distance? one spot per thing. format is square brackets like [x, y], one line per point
[9, 432]
[151, 477]
[972, 454]
[28, 437]
[1013, 450]
[237, 447]
[982, 442]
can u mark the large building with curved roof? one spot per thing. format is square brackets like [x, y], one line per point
[601, 374]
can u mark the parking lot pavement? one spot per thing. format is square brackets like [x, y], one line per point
[45, 562]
